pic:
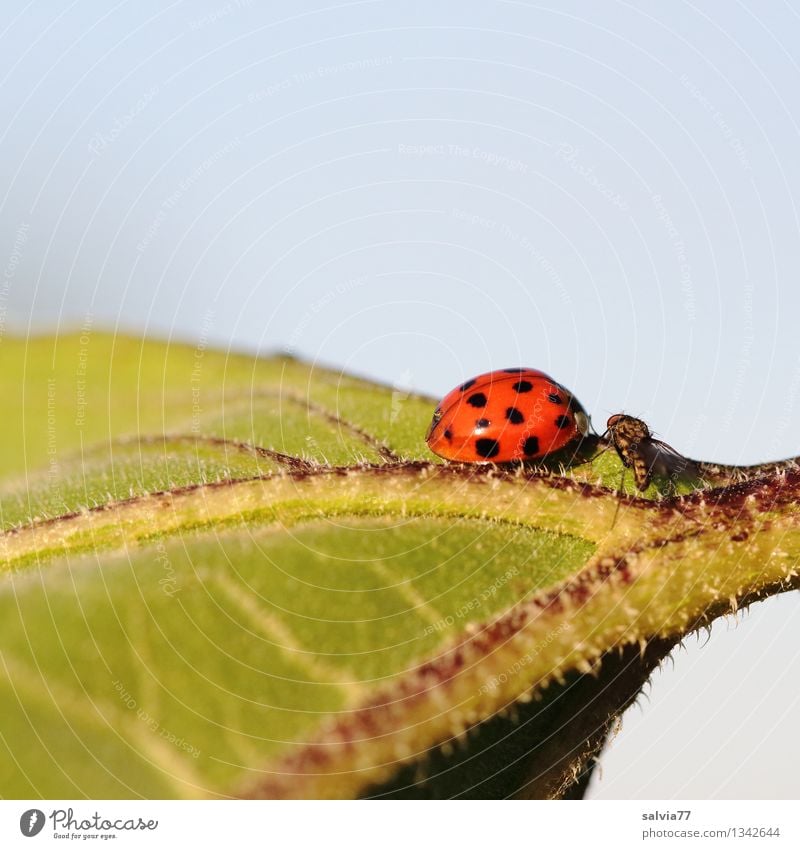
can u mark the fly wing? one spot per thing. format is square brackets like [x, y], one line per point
[663, 459]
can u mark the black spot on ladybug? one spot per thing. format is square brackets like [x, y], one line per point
[530, 446]
[487, 448]
[522, 386]
[478, 399]
[514, 370]
[465, 386]
[448, 435]
[514, 415]
[554, 398]
[482, 423]
[563, 422]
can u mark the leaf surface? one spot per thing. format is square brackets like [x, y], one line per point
[228, 575]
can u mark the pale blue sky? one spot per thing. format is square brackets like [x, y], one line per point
[422, 191]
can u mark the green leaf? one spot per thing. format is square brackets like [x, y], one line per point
[227, 575]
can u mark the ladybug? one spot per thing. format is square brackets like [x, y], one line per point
[637, 449]
[504, 416]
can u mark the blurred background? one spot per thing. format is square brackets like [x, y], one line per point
[419, 192]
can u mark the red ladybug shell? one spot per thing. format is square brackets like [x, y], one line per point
[506, 415]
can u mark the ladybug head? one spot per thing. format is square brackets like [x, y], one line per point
[437, 417]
